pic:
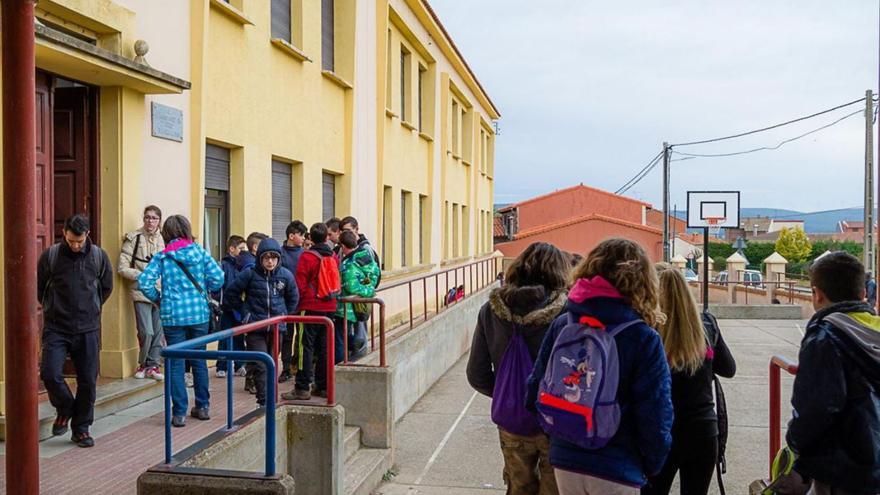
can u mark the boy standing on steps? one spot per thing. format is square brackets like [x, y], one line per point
[230, 318]
[835, 425]
[291, 251]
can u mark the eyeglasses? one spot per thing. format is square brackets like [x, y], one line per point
[148, 218]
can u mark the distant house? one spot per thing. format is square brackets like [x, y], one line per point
[852, 226]
[777, 225]
[576, 219]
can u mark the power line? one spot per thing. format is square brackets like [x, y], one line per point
[770, 148]
[799, 119]
[640, 174]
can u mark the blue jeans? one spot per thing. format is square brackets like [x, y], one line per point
[174, 370]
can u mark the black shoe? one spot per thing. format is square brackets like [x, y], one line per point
[59, 427]
[178, 421]
[284, 376]
[83, 440]
[200, 413]
[249, 385]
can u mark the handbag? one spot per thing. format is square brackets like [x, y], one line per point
[213, 306]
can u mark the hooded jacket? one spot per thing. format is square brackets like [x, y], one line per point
[147, 246]
[266, 294]
[307, 279]
[290, 257]
[245, 260]
[835, 425]
[360, 274]
[180, 302]
[530, 310]
[642, 441]
[74, 290]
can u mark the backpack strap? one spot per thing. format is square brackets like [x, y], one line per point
[137, 243]
[192, 279]
[53, 256]
[98, 260]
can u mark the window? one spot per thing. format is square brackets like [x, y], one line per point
[328, 198]
[281, 20]
[447, 248]
[403, 227]
[456, 232]
[328, 60]
[388, 64]
[282, 198]
[455, 116]
[423, 73]
[404, 84]
[216, 225]
[423, 238]
[386, 223]
[466, 231]
[483, 154]
[467, 134]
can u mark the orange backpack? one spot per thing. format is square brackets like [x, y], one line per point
[329, 282]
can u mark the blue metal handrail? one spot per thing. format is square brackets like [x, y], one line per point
[187, 350]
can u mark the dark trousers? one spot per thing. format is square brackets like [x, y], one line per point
[287, 343]
[83, 349]
[314, 355]
[260, 342]
[227, 320]
[694, 459]
[339, 340]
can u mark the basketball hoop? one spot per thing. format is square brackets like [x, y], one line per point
[714, 224]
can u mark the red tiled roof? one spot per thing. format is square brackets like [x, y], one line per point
[572, 188]
[498, 227]
[581, 219]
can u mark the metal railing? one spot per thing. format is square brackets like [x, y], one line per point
[479, 274]
[784, 289]
[372, 301]
[777, 363]
[189, 349]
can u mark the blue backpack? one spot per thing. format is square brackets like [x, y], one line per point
[577, 398]
[508, 407]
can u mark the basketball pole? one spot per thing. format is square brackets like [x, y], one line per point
[665, 201]
[706, 269]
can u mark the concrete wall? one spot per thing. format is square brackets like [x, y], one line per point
[422, 356]
[721, 295]
[245, 450]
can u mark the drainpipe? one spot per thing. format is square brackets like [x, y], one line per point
[19, 245]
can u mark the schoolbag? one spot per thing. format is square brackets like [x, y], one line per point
[329, 284]
[96, 258]
[577, 397]
[710, 324]
[508, 407]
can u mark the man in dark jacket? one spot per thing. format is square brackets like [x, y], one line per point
[74, 279]
[351, 223]
[292, 249]
[314, 336]
[235, 245]
[269, 290]
[835, 425]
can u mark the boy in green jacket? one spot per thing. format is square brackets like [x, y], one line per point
[360, 275]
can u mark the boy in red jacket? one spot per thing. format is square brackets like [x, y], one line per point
[314, 340]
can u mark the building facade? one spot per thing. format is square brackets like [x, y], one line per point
[246, 114]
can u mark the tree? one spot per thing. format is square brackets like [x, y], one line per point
[794, 245]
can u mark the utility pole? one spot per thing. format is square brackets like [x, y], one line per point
[674, 233]
[869, 180]
[19, 249]
[666, 202]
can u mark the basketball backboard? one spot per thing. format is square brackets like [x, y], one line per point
[708, 207]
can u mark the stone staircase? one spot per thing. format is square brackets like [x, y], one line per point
[364, 467]
[110, 398]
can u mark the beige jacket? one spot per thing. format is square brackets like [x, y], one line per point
[149, 245]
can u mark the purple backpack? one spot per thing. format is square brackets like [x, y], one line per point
[508, 397]
[577, 398]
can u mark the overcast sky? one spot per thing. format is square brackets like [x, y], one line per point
[589, 90]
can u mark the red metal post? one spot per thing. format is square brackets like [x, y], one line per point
[373, 328]
[409, 287]
[275, 350]
[331, 364]
[382, 361]
[345, 332]
[20, 248]
[774, 411]
[425, 296]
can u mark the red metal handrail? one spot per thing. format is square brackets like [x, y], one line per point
[777, 363]
[476, 283]
[371, 301]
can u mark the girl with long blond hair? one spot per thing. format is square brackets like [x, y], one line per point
[615, 287]
[695, 354]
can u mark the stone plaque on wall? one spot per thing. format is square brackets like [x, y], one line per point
[167, 122]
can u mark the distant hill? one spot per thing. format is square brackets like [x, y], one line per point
[815, 222]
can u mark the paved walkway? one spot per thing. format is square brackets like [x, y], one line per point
[447, 444]
[126, 444]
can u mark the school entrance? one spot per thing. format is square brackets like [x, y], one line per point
[66, 158]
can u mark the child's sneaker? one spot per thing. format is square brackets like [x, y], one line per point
[249, 385]
[220, 374]
[83, 440]
[188, 379]
[141, 373]
[59, 427]
[241, 371]
[155, 374]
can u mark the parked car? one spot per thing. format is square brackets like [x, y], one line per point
[752, 278]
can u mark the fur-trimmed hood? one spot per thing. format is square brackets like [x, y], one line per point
[527, 306]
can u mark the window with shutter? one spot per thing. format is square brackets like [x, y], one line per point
[404, 83]
[216, 168]
[327, 36]
[329, 195]
[281, 20]
[216, 221]
[282, 199]
[423, 72]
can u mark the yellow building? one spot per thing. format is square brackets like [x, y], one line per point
[246, 114]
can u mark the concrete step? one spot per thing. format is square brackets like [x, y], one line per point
[364, 471]
[352, 441]
[110, 398]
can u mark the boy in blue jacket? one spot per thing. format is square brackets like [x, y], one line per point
[234, 246]
[269, 290]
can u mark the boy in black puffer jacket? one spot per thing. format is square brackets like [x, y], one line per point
[835, 428]
[269, 290]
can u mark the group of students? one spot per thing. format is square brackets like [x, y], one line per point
[602, 376]
[257, 279]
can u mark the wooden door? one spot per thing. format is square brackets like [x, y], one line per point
[72, 155]
[44, 181]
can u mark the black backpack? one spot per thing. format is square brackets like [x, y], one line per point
[96, 258]
[710, 323]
